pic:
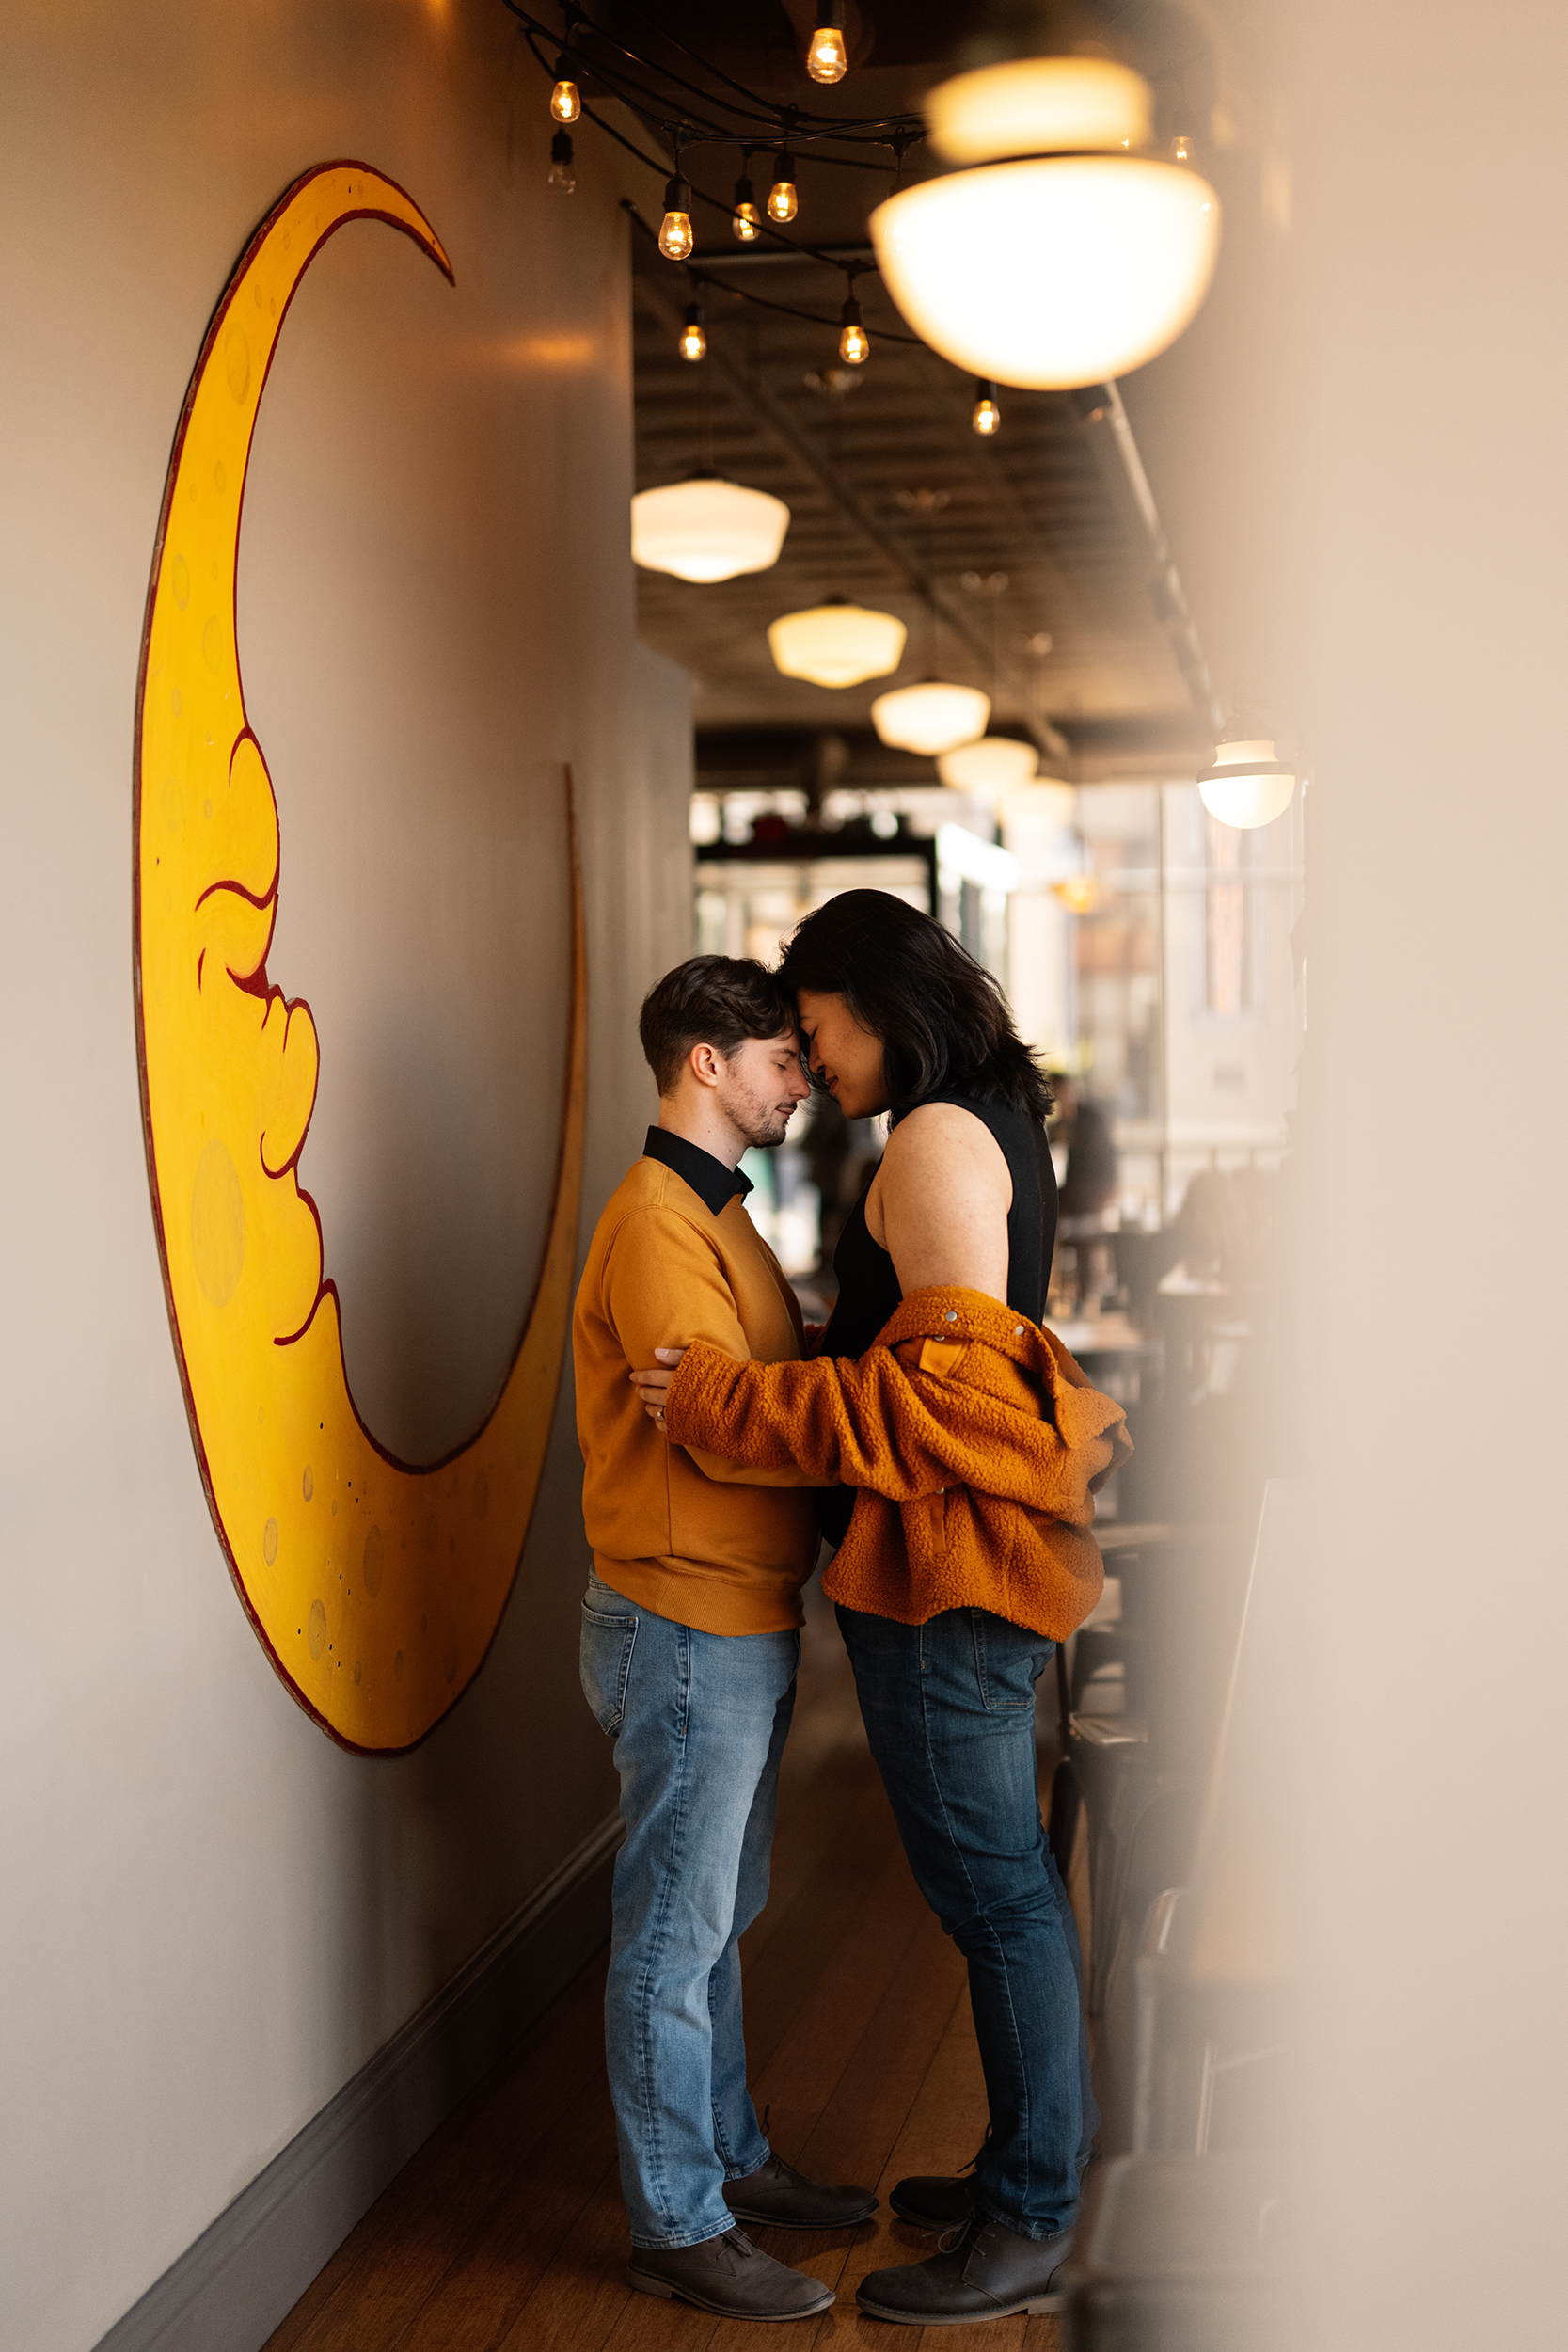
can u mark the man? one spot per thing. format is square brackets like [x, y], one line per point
[690, 1649]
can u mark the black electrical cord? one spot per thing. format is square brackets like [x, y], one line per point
[700, 276]
[784, 124]
[659, 165]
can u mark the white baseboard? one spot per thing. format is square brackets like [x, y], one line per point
[242, 2276]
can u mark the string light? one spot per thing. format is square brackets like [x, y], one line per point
[675, 229]
[565, 99]
[562, 175]
[1182, 148]
[745, 219]
[784, 199]
[693, 343]
[986, 417]
[827, 59]
[854, 343]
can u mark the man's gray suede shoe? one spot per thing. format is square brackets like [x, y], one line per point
[779, 2198]
[730, 2275]
[989, 2274]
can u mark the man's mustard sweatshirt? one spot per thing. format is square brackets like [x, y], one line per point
[690, 1535]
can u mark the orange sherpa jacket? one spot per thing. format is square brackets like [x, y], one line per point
[977, 1444]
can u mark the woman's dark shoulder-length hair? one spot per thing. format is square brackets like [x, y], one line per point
[942, 1020]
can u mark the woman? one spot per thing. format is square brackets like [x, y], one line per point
[894, 1016]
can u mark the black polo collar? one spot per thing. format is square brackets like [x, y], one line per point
[714, 1185]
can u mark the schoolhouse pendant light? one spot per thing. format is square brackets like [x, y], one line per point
[1247, 785]
[836, 644]
[1056, 254]
[930, 718]
[706, 529]
[994, 764]
[827, 58]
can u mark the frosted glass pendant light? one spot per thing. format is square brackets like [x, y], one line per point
[930, 718]
[1247, 785]
[706, 529]
[995, 764]
[1060, 256]
[836, 644]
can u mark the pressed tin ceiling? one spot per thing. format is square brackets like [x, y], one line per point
[1039, 548]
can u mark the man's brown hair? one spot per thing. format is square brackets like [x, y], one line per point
[711, 1000]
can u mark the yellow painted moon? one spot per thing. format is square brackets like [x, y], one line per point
[377, 1587]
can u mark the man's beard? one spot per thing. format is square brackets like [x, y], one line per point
[762, 1123]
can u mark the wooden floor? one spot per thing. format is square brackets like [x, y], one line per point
[506, 2231]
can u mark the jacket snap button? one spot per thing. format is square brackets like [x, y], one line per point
[950, 1314]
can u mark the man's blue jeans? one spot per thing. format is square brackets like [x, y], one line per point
[699, 1721]
[949, 1709]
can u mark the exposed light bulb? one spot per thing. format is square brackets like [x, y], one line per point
[1182, 148]
[827, 59]
[675, 229]
[986, 417]
[745, 219]
[854, 343]
[565, 100]
[693, 343]
[783, 200]
[562, 174]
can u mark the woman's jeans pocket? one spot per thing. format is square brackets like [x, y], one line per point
[604, 1660]
[1008, 1661]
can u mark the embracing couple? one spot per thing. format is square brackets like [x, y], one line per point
[948, 1448]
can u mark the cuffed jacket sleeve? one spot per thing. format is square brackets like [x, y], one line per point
[997, 1407]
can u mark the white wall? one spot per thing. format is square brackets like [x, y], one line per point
[211, 1916]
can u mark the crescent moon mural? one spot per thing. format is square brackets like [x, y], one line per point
[375, 1586]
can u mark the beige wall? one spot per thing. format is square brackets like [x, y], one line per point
[212, 1916]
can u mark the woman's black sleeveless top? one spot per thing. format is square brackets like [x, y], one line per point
[868, 1289]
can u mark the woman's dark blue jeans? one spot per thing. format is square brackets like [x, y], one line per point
[949, 1709]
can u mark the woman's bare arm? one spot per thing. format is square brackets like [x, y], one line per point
[939, 1204]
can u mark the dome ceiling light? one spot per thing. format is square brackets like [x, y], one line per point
[1247, 785]
[706, 529]
[1059, 256]
[994, 764]
[930, 718]
[836, 644]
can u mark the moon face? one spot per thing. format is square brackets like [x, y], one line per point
[374, 1586]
